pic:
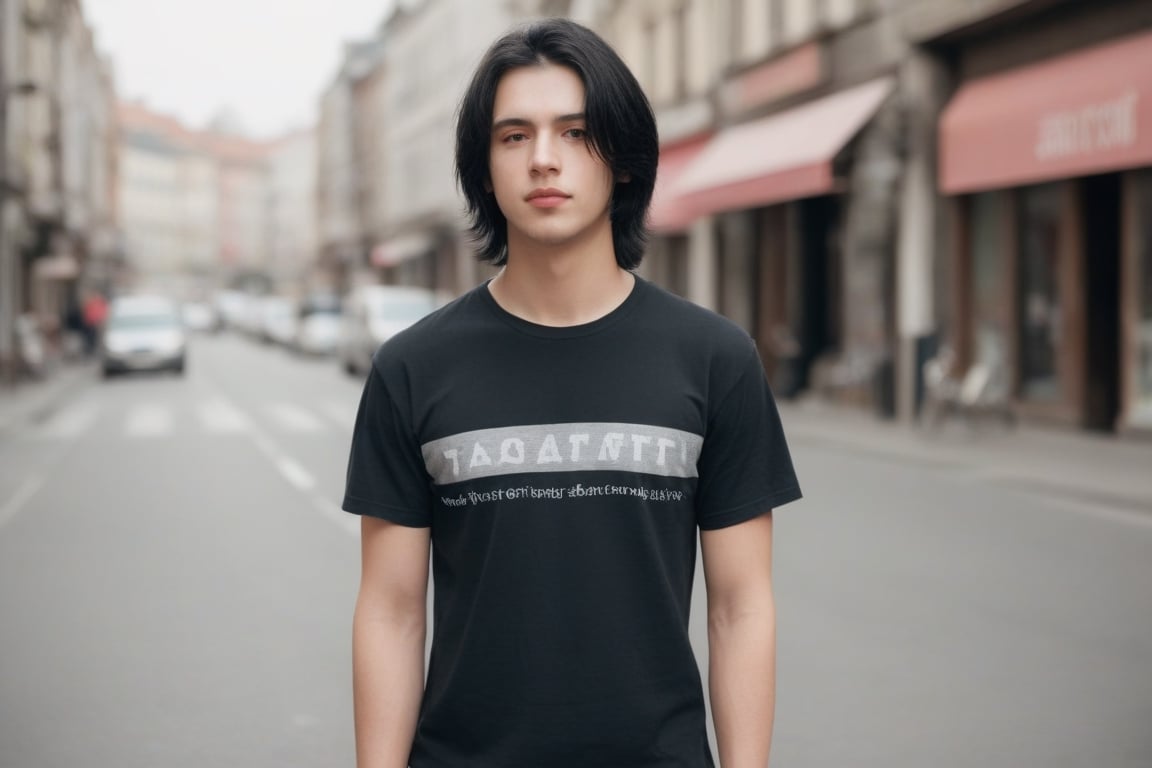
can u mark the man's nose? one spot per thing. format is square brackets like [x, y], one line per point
[545, 158]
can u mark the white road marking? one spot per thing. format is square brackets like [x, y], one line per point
[349, 523]
[293, 418]
[221, 417]
[265, 444]
[149, 421]
[220, 410]
[295, 474]
[25, 492]
[69, 423]
[341, 413]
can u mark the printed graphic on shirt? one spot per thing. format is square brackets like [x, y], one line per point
[577, 447]
[644, 491]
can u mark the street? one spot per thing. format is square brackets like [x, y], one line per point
[177, 583]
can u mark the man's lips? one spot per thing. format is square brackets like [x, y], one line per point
[547, 198]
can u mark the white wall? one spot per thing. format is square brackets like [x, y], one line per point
[293, 236]
[151, 208]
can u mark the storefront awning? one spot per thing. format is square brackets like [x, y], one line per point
[1083, 113]
[401, 249]
[668, 213]
[786, 156]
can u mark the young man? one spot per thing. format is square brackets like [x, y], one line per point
[555, 439]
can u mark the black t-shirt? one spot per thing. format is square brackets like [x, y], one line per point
[564, 473]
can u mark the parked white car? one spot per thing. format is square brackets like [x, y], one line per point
[278, 320]
[373, 314]
[143, 333]
[200, 317]
[318, 333]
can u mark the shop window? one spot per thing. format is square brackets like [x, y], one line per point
[1040, 318]
[989, 300]
[1143, 330]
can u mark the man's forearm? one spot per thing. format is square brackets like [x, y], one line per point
[742, 685]
[388, 682]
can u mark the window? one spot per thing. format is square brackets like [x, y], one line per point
[680, 51]
[840, 13]
[799, 20]
[651, 50]
[1039, 310]
[989, 326]
[735, 30]
[1143, 276]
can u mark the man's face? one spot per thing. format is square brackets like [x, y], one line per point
[551, 187]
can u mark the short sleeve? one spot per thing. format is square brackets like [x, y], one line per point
[386, 473]
[745, 467]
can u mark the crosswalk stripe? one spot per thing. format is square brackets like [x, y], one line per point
[221, 417]
[293, 418]
[149, 421]
[213, 416]
[69, 423]
[295, 474]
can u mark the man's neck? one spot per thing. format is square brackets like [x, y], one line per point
[562, 286]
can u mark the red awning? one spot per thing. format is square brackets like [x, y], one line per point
[786, 156]
[667, 212]
[1082, 113]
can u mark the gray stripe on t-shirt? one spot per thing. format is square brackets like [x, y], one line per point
[576, 447]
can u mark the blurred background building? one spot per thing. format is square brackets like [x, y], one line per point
[207, 209]
[389, 206]
[292, 167]
[863, 185]
[860, 183]
[58, 168]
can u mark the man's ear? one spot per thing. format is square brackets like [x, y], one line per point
[623, 178]
[488, 186]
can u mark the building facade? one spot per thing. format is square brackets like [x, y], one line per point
[781, 174]
[347, 189]
[839, 178]
[58, 167]
[198, 207]
[859, 184]
[292, 246]
[432, 48]
[1045, 177]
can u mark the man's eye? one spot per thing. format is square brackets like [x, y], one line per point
[577, 133]
[515, 138]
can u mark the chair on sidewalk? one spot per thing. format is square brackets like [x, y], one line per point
[980, 394]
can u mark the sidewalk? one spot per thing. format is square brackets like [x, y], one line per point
[1099, 469]
[34, 400]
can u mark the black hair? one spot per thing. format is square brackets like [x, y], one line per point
[620, 125]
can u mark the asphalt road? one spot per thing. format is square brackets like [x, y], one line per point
[177, 581]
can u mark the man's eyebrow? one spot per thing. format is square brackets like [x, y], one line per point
[520, 122]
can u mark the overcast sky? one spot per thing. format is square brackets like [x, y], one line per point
[264, 60]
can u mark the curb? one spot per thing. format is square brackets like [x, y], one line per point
[1075, 468]
[36, 401]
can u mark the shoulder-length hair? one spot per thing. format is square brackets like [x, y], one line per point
[620, 125]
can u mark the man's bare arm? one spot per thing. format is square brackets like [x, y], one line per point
[741, 640]
[388, 633]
